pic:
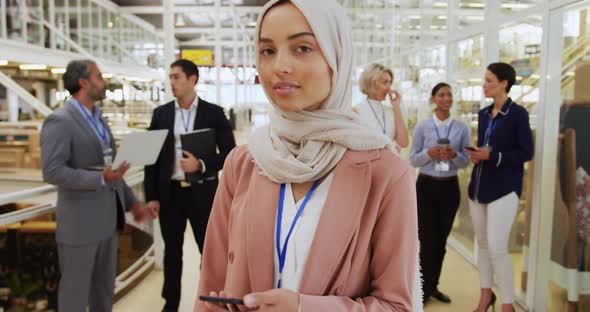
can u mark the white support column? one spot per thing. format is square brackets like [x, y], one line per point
[91, 29]
[99, 11]
[24, 18]
[235, 17]
[452, 23]
[66, 9]
[51, 13]
[245, 58]
[218, 52]
[169, 40]
[491, 39]
[12, 100]
[450, 48]
[110, 33]
[4, 15]
[79, 22]
[41, 17]
[392, 42]
[425, 19]
[546, 146]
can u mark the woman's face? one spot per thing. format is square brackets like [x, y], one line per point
[381, 87]
[292, 68]
[443, 98]
[492, 87]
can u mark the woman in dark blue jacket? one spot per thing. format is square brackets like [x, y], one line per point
[505, 143]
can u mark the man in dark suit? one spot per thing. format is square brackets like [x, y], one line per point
[167, 188]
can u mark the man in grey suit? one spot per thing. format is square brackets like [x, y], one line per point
[90, 203]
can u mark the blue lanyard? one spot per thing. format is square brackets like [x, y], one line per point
[103, 133]
[438, 133]
[282, 253]
[188, 120]
[492, 124]
[384, 125]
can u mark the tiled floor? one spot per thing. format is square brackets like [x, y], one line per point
[146, 296]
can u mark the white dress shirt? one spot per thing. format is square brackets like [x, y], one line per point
[303, 233]
[189, 116]
[379, 115]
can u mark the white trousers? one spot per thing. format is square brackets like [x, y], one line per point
[492, 224]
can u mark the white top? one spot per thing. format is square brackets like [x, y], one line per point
[446, 123]
[179, 128]
[379, 115]
[303, 233]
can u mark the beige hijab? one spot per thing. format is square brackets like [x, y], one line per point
[304, 146]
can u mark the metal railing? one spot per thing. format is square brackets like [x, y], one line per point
[126, 279]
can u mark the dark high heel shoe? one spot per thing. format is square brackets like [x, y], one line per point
[492, 303]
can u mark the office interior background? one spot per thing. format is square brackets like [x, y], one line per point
[423, 41]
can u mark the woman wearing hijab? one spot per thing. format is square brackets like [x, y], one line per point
[317, 213]
[375, 82]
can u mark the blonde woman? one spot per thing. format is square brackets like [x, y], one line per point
[316, 213]
[387, 118]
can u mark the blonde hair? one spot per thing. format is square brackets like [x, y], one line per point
[371, 73]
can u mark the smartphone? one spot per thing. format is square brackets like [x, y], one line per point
[471, 148]
[222, 300]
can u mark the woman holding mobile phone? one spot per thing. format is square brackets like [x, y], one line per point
[316, 213]
[438, 150]
[505, 143]
[375, 82]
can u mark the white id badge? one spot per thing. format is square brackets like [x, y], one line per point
[442, 166]
[107, 155]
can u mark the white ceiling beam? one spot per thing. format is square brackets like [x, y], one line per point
[255, 9]
[231, 43]
[251, 31]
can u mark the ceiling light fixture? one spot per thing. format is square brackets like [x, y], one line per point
[475, 5]
[58, 70]
[515, 5]
[32, 67]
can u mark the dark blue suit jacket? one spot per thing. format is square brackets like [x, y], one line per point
[511, 142]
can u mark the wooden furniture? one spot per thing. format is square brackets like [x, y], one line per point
[20, 148]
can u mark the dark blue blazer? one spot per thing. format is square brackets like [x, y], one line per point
[511, 143]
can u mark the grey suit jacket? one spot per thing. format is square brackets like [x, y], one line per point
[86, 209]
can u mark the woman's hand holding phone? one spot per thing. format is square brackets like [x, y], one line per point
[274, 299]
[477, 154]
[221, 303]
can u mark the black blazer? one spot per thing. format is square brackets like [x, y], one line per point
[158, 176]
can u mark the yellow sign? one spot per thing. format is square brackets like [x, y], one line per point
[199, 57]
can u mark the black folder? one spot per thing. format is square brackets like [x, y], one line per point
[202, 144]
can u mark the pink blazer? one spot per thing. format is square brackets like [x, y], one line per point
[362, 258]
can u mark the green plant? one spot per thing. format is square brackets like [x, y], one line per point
[21, 287]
